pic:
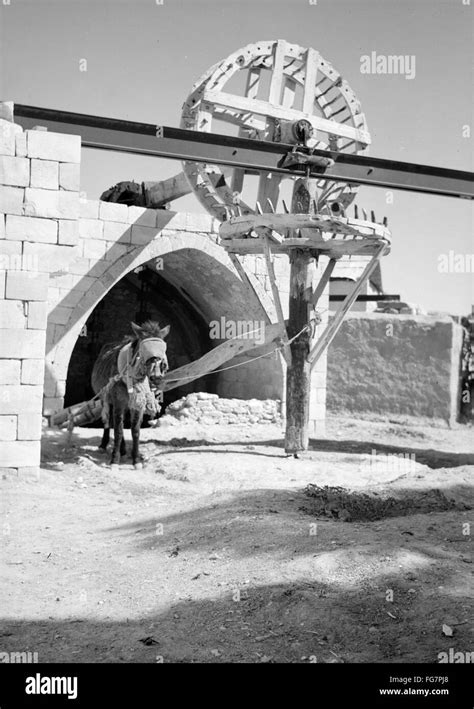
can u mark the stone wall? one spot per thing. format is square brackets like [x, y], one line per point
[404, 365]
[39, 203]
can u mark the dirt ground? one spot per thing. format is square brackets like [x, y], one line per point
[214, 553]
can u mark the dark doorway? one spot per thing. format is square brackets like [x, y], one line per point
[140, 295]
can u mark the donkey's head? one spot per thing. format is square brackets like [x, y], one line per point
[152, 349]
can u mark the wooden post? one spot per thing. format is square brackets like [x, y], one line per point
[298, 377]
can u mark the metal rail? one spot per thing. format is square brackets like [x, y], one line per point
[253, 155]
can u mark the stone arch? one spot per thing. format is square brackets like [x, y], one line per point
[194, 264]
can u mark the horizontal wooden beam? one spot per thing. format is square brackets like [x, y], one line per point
[266, 108]
[222, 353]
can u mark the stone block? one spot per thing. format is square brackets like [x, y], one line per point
[198, 222]
[8, 428]
[21, 285]
[8, 131]
[20, 454]
[89, 209]
[110, 211]
[117, 251]
[69, 176]
[31, 229]
[11, 200]
[59, 315]
[143, 234]
[12, 314]
[49, 257]
[9, 371]
[14, 171]
[20, 398]
[53, 146]
[32, 371]
[51, 203]
[29, 426]
[37, 315]
[20, 145]
[51, 405]
[91, 228]
[68, 233]
[170, 220]
[117, 231]
[22, 344]
[9, 249]
[140, 216]
[44, 174]
[80, 266]
[93, 248]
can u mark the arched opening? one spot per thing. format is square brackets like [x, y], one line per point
[140, 295]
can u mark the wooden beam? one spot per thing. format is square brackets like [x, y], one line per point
[265, 108]
[332, 329]
[323, 281]
[251, 91]
[219, 355]
[298, 376]
[312, 58]
[157, 194]
[237, 226]
[276, 297]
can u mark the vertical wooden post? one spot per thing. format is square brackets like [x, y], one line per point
[298, 378]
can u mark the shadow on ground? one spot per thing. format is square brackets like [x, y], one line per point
[298, 622]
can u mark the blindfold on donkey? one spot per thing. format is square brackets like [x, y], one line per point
[128, 375]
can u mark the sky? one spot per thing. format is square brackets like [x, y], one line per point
[142, 58]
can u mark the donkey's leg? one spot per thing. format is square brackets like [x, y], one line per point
[105, 439]
[119, 411]
[136, 418]
[106, 424]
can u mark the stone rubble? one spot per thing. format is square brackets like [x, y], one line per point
[209, 409]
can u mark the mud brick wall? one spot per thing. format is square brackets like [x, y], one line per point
[396, 364]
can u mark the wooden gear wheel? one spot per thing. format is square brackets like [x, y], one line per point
[285, 84]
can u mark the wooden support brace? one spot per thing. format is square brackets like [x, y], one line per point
[332, 329]
[324, 280]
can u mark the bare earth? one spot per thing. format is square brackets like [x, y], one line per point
[213, 553]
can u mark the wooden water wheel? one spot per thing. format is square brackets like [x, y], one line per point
[288, 94]
[282, 93]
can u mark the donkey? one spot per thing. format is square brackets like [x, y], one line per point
[127, 374]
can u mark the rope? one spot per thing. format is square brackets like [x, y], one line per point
[251, 359]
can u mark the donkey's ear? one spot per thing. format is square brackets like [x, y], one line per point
[164, 332]
[136, 329]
